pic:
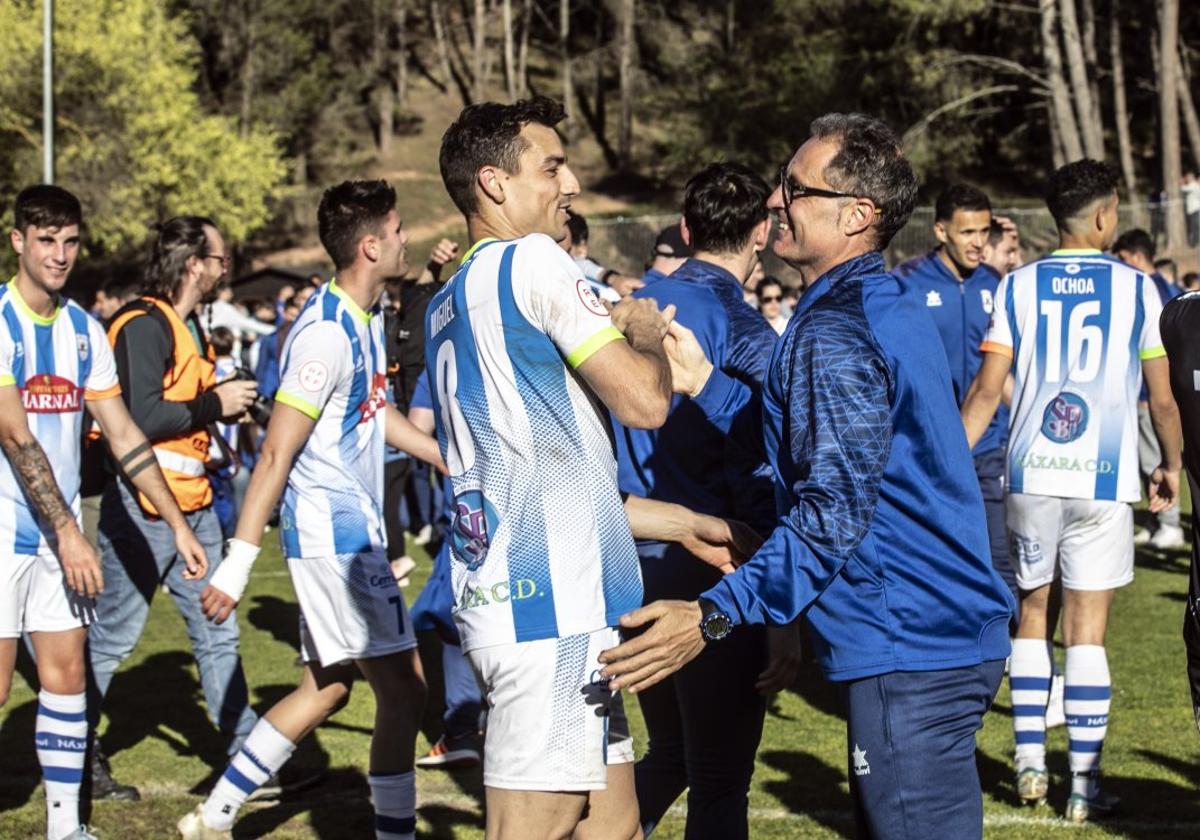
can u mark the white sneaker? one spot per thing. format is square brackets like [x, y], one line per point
[1168, 537]
[1141, 536]
[423, 536]
[193, 827]
[1056, 714]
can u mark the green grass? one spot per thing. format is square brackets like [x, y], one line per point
[160, 740]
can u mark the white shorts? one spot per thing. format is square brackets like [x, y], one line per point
[1090, 542]
[552, 724]
[350, 608]
[35, 598]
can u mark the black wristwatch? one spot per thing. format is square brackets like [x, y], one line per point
[715, 623]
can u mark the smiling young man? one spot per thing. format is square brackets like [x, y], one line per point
[54, 358]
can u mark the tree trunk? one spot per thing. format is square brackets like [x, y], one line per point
[523, 49]
[1188, 106]
[1091, 57]
[1168, 100]
[439, 36]
[385, 94]
[1060, 95]
[1121, 112]
[1091, 129]
[730, 24]
[564, 59]
[625, 81]
[510, 55]
[246, 75]
[400, 17]
[477, 52]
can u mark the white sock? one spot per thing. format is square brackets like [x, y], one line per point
[61, 739]
[1029, 679]
[263, 752]
[394, 796]
[1088, 697]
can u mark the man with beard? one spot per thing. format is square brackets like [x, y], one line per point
[167, 376]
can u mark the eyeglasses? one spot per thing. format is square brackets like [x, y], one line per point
[773, 299]
[791, 190]
[226, 262]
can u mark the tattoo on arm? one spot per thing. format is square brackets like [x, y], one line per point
[33, 470]
[133, 453]
[133, 469]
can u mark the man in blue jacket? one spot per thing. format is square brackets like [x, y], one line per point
[958, 290]
[689, 462]
[880, 538]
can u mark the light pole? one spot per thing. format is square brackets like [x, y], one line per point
[48, 91]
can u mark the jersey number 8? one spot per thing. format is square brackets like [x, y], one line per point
[460, 446]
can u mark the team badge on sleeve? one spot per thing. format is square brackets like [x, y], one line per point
[313, 375]
[589, 299]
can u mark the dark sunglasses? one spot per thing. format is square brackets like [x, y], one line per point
[791, 190]
[773, 299]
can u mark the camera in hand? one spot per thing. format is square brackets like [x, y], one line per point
[260, 409]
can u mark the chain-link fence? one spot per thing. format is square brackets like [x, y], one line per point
[625, 243]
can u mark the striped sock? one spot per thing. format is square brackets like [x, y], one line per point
[1029, 679]
[61, 740]
[394, 796]
[1088, 697]
[263, 752]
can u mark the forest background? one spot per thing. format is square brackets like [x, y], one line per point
[246, 109]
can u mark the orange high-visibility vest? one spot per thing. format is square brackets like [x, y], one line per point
[182, 458]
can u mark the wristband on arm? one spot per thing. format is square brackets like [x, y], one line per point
[233, 574]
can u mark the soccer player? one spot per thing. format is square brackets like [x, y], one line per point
[1078, 330]
[54, 358]
[325, 442]
[881, 539]
[523, 358]
[958, 290]
[688, 461]
[1180, 326]
[1136, 248]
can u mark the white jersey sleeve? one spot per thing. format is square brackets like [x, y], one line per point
[315, 360]
[555, 296]
[7, 377]
[102, 381]
[1150, 345]
[999, 337]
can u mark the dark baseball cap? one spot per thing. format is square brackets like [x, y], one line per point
[669, 243]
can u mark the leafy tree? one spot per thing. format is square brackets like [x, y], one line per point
[132, 138]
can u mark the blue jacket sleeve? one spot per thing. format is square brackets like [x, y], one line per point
[734, 409]
[838, 437]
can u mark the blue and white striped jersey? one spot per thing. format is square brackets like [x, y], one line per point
[540, 544]
[57, 363]
[1077, 325]
[334, 370]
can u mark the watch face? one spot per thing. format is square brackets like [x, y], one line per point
[717, 626]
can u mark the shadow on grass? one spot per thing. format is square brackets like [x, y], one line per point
[812, 787]
[278, 617]
[21, 775]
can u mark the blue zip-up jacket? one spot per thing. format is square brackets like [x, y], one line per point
[961, 311]
[688, 461]
[881, 535]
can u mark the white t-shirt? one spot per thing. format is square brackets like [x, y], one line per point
[540, 544]
[1191, 197]
[1077, 325]
[58, 363]
[334, 370]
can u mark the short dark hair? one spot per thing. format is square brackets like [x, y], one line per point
[46, 206]
[489, 134]
[996, 233]
[121, 288]
[722, 203]
[1189, 280]
[870, 163]
[959, 197]
[350, 211]
[768, 281]
[1167, 262]
[176, 241]
[222, 341]
[1076, 186]
[1136, 241]
[578, 227]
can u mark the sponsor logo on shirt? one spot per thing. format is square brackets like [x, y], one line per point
[475, 522]
[861, 767]
[81, 341]
[519, 589]
[932, 298]
[376, 401]
[46, 393]
[590, 302]
[1034, 461]
[985, 298]
[1065, 418]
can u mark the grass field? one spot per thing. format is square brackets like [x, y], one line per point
[160, 740]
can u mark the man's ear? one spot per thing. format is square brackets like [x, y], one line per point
[369, 248]
[488, 179]
[17, 240]
[685, 231]
[939, 232]
[762, 234]
[862, 216]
